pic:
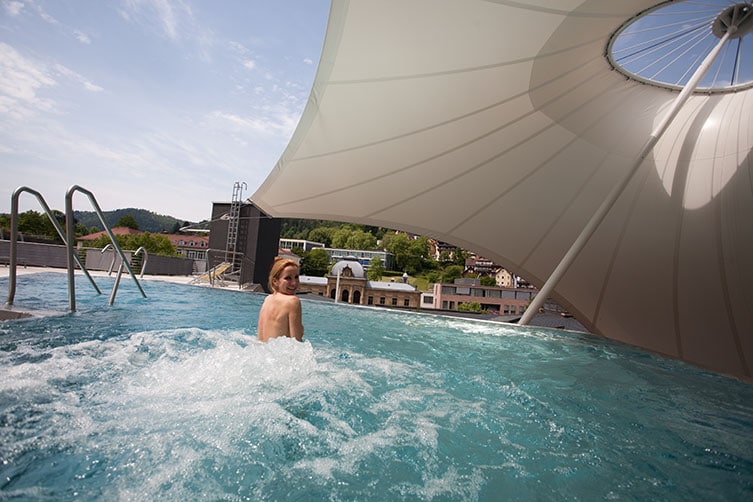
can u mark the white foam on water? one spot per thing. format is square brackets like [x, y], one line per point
[190, 412]
[378, 405]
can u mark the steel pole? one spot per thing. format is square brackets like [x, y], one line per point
[615, 193]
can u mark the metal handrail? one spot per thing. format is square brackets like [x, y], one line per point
[112, 263]
[142, 249]
[69, 232]
[14, 240]
[120, 269]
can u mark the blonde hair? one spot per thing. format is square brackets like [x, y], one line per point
[278, 266]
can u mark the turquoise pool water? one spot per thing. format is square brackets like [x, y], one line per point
[172, 398]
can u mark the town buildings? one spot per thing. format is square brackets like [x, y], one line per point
[364, 257]
[193, 247]
[347, 283]
[493, 299]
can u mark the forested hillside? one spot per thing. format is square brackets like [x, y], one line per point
[292, 228]
[146, 220]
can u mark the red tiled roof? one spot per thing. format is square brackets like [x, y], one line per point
[196, 239]
[174, 238]
[115, 231]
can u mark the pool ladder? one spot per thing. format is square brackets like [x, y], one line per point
[68, 238]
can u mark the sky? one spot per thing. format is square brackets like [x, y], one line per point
[153, 104]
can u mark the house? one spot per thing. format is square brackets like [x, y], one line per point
[502, 301]
[116, 231]
[347, 283]
[190, 246]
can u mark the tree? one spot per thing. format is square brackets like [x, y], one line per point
[418, 251]
[4, 223]
[315, 263]
[451, 273]
[433, 277]
[33, 223]
[361, 240]
[446, 257]
[38, 224]
[470, 307]
[397, 244]
[488, 281]
[81, 229]
[410, 254]
[322, 234]
[376, 269]
[153, 243]
[459, 256]
[340, 237]
[127, 221]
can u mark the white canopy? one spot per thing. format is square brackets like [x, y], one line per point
[500, 126]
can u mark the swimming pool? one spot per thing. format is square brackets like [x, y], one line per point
[171, 397]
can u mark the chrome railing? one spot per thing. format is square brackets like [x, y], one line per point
[120, 270]
[69, 226]
[12, 260]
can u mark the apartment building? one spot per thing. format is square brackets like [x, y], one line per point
[494, 299]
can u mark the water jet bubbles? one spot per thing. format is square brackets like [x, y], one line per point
[189, 408]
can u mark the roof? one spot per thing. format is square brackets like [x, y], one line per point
[355, 267]
[313, 280]
[376, 285]
[187, 239]
[115, 231]
[174, 238]
[394, 286]
[511, 111]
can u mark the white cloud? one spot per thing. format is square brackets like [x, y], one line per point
[13, 8]
[76, 77]
[20, 79]
[92, 87]
[167, 17]
[308, 61]
[242, 123]
[43, 14]
[82, 37]
[171, 19]
[174, 18]
[278, 123]
[250, 64]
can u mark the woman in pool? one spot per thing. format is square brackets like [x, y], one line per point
[280, 315]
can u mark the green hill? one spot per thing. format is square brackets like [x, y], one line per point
[146, 220]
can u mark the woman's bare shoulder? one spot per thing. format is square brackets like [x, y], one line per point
[280, 299]
[292, 300]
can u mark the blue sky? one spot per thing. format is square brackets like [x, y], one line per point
[154, 104]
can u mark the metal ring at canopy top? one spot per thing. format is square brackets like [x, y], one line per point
[664, 45]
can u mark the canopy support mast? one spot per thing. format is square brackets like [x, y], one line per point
[602, 211]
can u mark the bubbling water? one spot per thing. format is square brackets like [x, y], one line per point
[191, 413]
[174, 398]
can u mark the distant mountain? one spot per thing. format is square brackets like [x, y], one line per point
[147, 220]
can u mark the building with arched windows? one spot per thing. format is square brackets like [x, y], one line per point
[347, 283]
